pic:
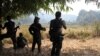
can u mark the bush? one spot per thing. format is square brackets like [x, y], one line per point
[83, 34]
[96, 30]
[72, 35]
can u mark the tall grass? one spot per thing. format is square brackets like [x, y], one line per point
[96, 30]
[72, 32]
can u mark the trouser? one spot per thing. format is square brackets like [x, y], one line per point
[38, 42]
[57, 45]
[56, 48]
[12, 36]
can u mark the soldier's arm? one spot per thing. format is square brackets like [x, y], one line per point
[50, 25]
[42, 28]
[16, 27]
[64, 25]
[30, 30]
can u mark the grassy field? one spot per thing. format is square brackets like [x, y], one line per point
[78, 41]
[74, 32]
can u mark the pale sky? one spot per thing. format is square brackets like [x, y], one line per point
[79, 5]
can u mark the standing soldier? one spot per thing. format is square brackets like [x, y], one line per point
[56, 35]
[11, 31]
[35, 29]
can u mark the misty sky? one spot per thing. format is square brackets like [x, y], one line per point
[79, 5]
[70, 15]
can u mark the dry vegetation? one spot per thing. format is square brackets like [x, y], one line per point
[78, 41]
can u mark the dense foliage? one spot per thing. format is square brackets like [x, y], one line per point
[19, 7]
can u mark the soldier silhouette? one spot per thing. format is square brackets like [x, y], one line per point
[11, 31]
[34, 30]
[21, 41]
[56, 35]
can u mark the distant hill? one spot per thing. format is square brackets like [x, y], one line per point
[88, 17]
[69, 18]
[45, 19]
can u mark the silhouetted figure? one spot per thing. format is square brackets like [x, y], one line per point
[21, 41]
[56, 35]
[11, 31]
[35, 29]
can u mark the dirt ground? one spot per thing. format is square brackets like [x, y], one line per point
[71, 47]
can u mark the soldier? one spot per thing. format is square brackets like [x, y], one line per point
[21, 41]
[35, 29]
[56, 35]
[11, 31]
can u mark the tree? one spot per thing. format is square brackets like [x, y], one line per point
[19, 7]
[96, 1]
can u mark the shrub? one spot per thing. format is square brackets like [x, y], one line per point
[96, 30]
[83, 34]
[71, 35]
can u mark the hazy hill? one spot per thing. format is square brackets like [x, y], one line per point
[45, 19]
[88, 17]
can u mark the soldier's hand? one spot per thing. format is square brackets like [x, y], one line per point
[17, 27]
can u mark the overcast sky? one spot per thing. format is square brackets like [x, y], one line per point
[79, 5]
